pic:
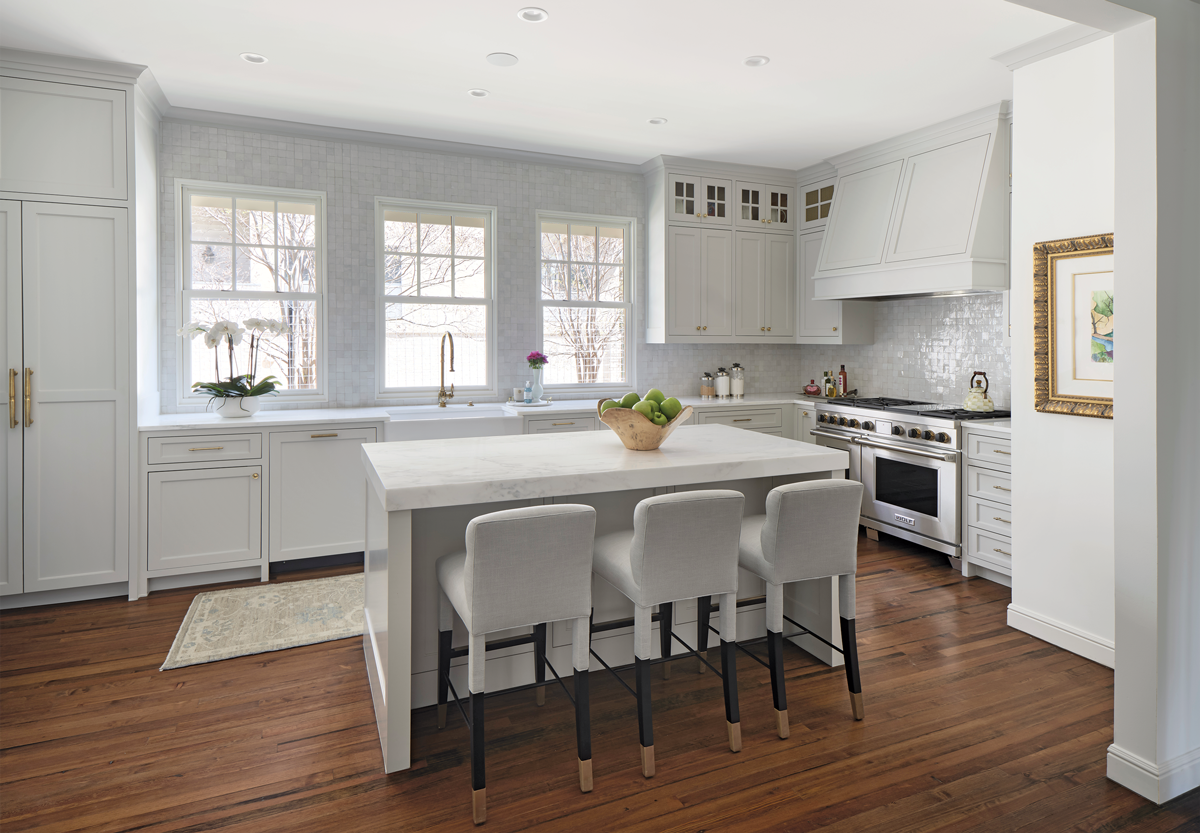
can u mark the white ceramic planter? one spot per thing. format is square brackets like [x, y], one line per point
[234, 407]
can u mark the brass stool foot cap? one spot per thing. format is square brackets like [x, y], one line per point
[541, 695]
[735, 736]
[585, 776]
[781, 724]
[442, 715]
[856, 703]
[479, 805]
[648, 761]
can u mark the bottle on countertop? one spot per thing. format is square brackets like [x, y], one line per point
[722, 383]
[528, 393]
[842, 381]
[737, 381]
[830, 385]
[811, 388]
[708, 386]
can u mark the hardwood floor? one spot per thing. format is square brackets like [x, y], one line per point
[970, 726]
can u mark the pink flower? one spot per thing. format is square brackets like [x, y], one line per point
[537, 359]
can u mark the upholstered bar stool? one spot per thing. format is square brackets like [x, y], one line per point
[681, 546]
[810, 531]
[521, 567]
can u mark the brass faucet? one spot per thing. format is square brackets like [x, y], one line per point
[442, 395]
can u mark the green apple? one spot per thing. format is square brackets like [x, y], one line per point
[654, 405]
[655, 395]
[671, 407]
[630, 399]
[644, 409]
[609, 403]
[659, 419]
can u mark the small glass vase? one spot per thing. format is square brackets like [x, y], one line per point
[537, 384]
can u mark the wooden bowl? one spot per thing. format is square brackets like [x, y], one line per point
[637, 432]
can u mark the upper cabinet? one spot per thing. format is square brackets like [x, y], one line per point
[765, 207]
[815, 201]
[828, 322]
[63, 140]
[925, 213]
[697, 199]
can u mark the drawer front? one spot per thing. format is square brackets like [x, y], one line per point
[989, 451]
[989, 550]
[994, 517]
[201, 449]
[758, 418]
[561, 425]
[989, 485]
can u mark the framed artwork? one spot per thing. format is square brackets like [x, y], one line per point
[1073, 351]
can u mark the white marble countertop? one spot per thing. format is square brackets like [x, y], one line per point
[1004, 426]
[427, 473]
[750, 400]
[307, 416]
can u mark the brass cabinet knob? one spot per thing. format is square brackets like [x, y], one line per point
[762, 329]
[697, 326]
[706, 326]
[768, 329]
[255, 475]
[835, 329]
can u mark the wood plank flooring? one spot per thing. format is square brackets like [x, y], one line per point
[970, 726]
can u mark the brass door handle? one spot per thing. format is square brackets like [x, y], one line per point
[998, 451]
[1002, 552]
[747, 419]
[563, 423]
[315, 436]
[207, 448]
[12, 398]
[1000, 519]
[1001, 488]
[28, 397]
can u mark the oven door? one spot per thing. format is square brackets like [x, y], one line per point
[915, 490]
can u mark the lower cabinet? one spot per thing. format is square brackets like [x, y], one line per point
[204, 517]
[806, 421]
[775, 420]
[987, 502]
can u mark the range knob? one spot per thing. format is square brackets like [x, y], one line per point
[942, 437]
[897, 430]
[841, 420]
[854, 423]
[869, 426]
[822, 418]
[927, 435]
[914, 433]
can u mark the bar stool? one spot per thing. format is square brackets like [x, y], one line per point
[810, 531]
[681, 546]
[521, 567]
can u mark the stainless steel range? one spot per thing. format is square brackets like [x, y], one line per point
[908, 456]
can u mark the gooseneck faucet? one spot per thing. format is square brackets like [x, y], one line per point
[443, 396]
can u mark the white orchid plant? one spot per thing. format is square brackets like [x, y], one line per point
[231, 334]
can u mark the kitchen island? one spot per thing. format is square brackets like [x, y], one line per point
[421, 496]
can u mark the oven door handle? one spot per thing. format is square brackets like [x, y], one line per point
[817, 432]
[945, 458]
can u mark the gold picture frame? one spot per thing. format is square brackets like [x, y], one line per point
[1053, 392]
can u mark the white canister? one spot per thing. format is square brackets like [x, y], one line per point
[722, 383]
[737, 381]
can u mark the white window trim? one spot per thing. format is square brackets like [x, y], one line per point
[424, 394]
[630, 223]
[184, 345]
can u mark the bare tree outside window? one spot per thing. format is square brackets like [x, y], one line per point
[584, 304]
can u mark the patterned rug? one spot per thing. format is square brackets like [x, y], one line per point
[253, 620]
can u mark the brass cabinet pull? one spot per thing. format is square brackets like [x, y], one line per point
[12, 398]
[1001, 488]
[805, 413]
[768, 329]
[747, 419]
[207, 448]
[697, 326]
[998, 451]
[28, 397]
[762, 329]
[706, 326]
[1000, 519]
[315, 436]
[255, 475]
[1002, 552]
[563, 423]
[835, 329]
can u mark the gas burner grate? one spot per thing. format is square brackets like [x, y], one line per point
[877, 402]
[964, 416]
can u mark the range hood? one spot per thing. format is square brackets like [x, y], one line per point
[922, 214]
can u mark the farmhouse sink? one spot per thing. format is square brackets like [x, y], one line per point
[429, 422]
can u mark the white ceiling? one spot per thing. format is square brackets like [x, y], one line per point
[843, 73]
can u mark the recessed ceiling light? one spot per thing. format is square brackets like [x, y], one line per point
[501, 59]
[477, 93]
[757, 61]
[532, 14]
[253, 58]
[658, 120]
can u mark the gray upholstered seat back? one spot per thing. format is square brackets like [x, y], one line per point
[686, 544]
[531, 565]
[812, 529]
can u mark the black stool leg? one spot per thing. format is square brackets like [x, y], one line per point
[703, 616]
[583, 730]
[850, 648]
[444, 645]
[645, 715]
[729, 683]
[778, 691]
[539, 661]
[666, 619]
[478, 789]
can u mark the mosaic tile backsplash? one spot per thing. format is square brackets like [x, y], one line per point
[925, 348]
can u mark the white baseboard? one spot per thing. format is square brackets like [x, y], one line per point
[71, 594]
[1063, 635]
[1149, 780]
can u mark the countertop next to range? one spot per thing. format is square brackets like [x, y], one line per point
[750, 400]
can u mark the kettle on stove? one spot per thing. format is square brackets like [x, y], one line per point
[977, 398]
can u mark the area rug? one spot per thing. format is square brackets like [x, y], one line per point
[222, 624]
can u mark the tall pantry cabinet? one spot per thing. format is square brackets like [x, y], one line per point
[68, 315]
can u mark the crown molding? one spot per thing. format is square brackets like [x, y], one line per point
[815, 173]
[1055, 43]
[783, 176]
[69, 68]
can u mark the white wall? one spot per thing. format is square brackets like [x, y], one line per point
[1063, 186]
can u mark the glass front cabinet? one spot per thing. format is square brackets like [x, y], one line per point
[765, 207]
[695, 199]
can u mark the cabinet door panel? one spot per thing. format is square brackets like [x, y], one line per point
[685, 203]
[717, 267]
[817, 318]
[10, 342]
[937, 201]
[858, 226]
[684, 312]
[749, 284]
[204, 517]
[318, 493]
[62, 139]
[75, 286]
[718, 202]
[779, 280]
